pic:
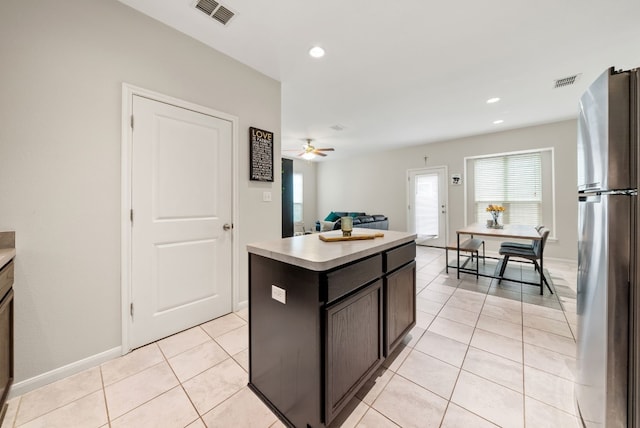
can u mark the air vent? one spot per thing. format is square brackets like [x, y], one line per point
[337, 127]
[215, 10]
[566, 81]
[223, 15]
[207, 6]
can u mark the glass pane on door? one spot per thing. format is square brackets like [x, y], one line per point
[427, 206]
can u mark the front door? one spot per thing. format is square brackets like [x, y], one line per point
[428, 205]
[181, 191]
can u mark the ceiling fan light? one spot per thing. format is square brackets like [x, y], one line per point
[308, 155]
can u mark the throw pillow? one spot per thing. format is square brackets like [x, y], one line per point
[326, 225]
[332, 217]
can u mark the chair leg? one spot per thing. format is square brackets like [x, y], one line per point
[503, 268]
[542, 278]
[484, 259]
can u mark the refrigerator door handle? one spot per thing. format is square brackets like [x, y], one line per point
[594, 198]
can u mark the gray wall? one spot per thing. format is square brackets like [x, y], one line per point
[377, 183]
[63, 64]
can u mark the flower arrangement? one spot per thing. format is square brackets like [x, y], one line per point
[495, 211]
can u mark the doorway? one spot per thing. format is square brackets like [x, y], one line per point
[427, 207]
[180, 188]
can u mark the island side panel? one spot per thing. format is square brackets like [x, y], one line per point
[285, 348]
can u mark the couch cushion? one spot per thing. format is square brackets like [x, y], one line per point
[379, 217]
[332, 217]
[326, 225]
[365, 218]
[354, 215]
[356, 221]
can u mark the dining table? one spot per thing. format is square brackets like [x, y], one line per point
[506, 231]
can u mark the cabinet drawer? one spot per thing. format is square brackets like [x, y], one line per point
[345, 280]
[6, 278]
[399, 256]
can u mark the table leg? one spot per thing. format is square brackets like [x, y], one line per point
[541, 275]
[458, 254]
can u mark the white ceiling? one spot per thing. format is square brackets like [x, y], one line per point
[416, 71]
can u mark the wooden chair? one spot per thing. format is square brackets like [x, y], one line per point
[534, 254]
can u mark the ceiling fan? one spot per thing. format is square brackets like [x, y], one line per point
[309, 151]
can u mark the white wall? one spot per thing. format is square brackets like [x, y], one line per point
[309, 197]
[63, 64]
[377, 183]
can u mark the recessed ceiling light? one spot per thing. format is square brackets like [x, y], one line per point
[493, 100]
[316, 52]
[498, 122]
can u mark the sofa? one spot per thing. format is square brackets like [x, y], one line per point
[373, 221]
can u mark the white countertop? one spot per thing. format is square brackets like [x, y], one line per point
[6, 254]
[309, 252]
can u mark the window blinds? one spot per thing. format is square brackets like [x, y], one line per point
[514, 181]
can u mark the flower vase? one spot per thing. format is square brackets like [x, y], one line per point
[496, 216]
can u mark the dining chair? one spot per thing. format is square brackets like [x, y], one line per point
[522, 245]
[534, 254]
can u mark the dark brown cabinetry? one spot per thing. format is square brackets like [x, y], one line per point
[6, 335]
[353, 345]
[315, 337]
[400, 305]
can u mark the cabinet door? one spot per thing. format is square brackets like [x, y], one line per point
[400, 305]
[353, 349]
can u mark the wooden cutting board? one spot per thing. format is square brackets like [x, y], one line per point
[349, 238]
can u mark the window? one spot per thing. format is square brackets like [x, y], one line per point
[297, 197]
[522, 182]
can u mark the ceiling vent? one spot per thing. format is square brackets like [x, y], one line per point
[566, 81]
[337, 127]
[215, 10]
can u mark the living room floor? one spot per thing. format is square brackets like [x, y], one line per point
[481, 355]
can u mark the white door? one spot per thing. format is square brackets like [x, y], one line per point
[428, 205]
[181, 191]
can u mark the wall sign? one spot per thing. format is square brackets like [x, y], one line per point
[261, 155]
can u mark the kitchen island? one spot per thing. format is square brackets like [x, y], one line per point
[323, 316]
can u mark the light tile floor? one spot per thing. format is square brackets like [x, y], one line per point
[481, 355]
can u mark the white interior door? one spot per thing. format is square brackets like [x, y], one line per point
[427, 206]
[181, 192]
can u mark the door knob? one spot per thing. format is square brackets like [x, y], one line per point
[227, 226]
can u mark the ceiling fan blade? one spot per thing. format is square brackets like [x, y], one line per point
[318, 153]
[329, 149]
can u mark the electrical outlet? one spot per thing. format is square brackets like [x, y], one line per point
[266, 196]
[279, 294]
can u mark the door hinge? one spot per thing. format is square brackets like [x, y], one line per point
[131, 309]
[131, 121]
[131, 215]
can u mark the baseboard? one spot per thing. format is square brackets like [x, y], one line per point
[242, 305]
[22, 387]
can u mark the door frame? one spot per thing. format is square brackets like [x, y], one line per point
[411, 210]
[128, 92]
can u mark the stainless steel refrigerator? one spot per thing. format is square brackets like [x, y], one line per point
[606, 387]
